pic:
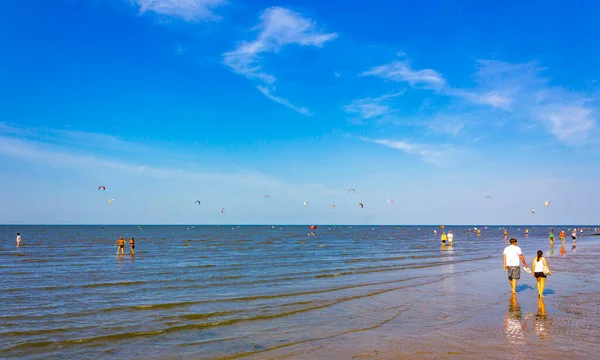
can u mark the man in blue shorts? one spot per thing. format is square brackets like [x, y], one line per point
[512, 255]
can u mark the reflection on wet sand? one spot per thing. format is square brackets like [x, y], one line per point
[449, 284]
[541, 323]
[513, 322]
[551, 252]
[563, 249]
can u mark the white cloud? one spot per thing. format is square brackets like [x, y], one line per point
[189, 10]
[267, 93]
[512, 92]
[569, 115]
[571, 123]
[278, 27]
[447, 125]
[370, 108]
[401, 71]
[490, 98]
[427, 153]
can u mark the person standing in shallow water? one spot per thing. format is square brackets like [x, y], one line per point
[132, 246]
[18, 239]
[512, 254]
[537, 269]
[121, 245]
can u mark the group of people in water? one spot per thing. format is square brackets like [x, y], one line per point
[121, 246]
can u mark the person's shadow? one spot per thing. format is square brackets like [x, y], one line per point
[548, 292]
[523, 287]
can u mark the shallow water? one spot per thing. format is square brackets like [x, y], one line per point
[227, 291]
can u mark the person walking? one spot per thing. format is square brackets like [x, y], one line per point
[540, 270]
[512, 254]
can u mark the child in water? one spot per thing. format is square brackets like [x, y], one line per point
[121, 245]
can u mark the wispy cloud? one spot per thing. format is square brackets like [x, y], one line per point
[511, 92]
[447, 125]
[371, 108]
[189, 10]
[569, 115]
[278, 27]
[267, 93]
[401, 71]
[180, 49]
[426, 153]
[490, 98]
[79, 159]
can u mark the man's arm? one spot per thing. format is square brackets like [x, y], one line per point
[523, 260]
[504, 257]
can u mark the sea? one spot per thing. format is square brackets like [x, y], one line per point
[196, 292]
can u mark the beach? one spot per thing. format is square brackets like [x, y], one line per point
[262, 292]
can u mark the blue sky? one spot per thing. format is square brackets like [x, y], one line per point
[433, 104]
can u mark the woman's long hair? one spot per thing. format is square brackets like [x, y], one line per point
[539, 255]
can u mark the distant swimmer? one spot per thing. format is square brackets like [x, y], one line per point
[450, 238]
[505, 235]
[526, 232]
[478, 232]
[18, 239]
[434, 232]
[132, 246]
[444, 238]
[581, 232]
[121, 245]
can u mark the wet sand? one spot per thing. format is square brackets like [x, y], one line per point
[474, 316]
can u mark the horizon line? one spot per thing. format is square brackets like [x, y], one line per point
[306, 224]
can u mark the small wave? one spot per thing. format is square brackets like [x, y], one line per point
[333, 275]
[121, 283]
